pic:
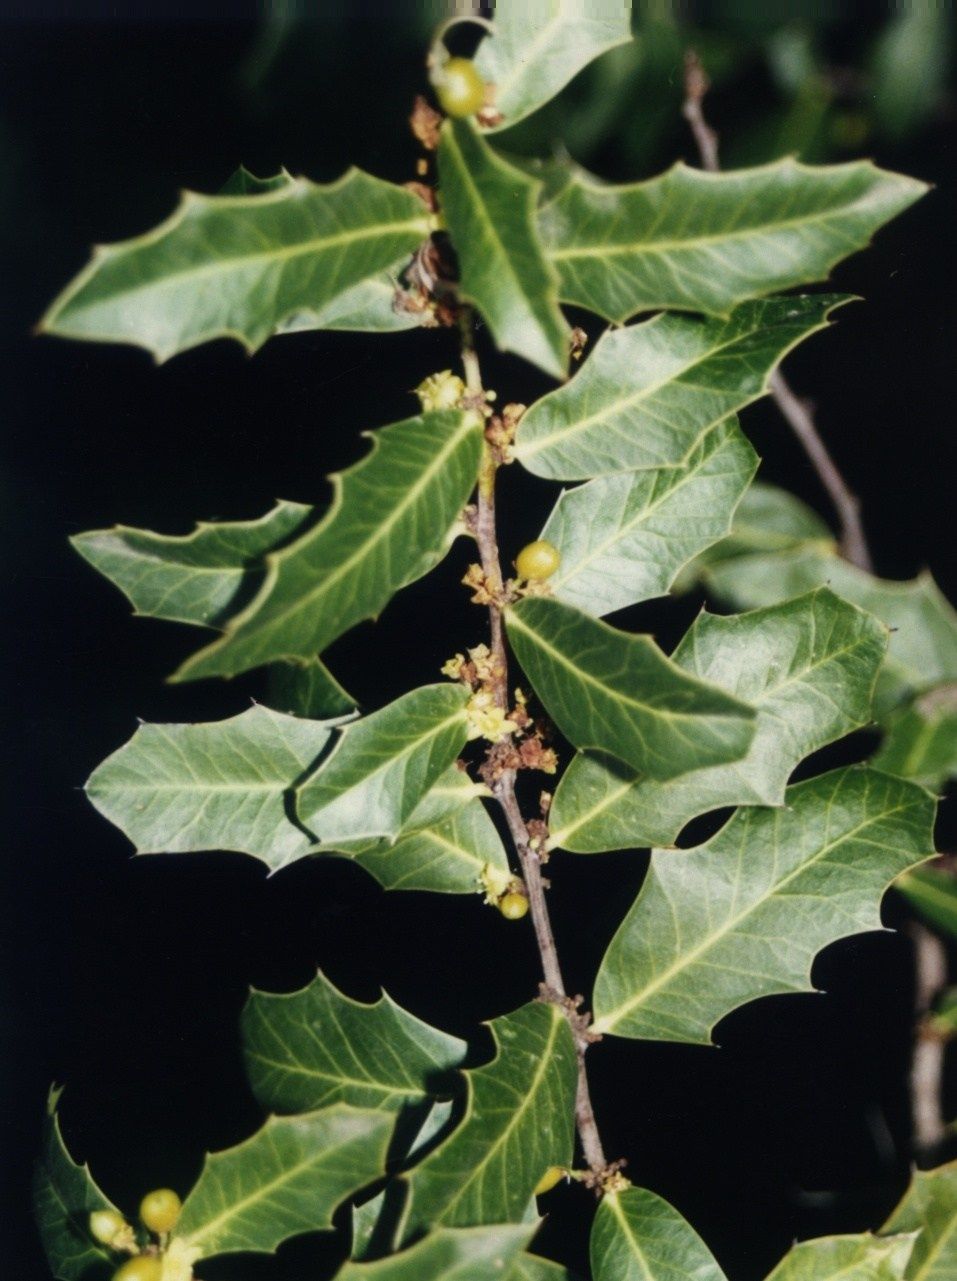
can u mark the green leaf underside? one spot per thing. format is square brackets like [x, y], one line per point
[382, 766]
[611, 691]
[637, 1236]
[392, 518]
[64, 1196]
[284, 1180]
[862, 1257]
[308, 689]
[758, 902]
[923, 643]
[530, 1267]
[929, 1207]
[808, 666]
[189, 578]
[298, 248]
[768, 519]
[646, 394]
[537, 47]
[489, 208]
[450, 1254]
[696, 241]
[519, 1121]
[444, 846]
[623, 539]
[315, 1047]
[215, 786]
[933, 894]
[921, 738]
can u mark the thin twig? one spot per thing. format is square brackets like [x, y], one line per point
[504, 787]
[927, 1066]
[797, 412]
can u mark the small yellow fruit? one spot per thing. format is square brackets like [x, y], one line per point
[159, 1210]
[459, 87]
[538, 560]
[106, 1225]
[553, 1175]
[513, 905]
[144, 1267]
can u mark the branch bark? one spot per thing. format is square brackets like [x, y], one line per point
[486, 536]
[927, 1065]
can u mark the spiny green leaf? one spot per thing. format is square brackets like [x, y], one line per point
[450, 1254]
[308, 689]
[284, 1180]
[241, 182]
[519, 1120]
[744, 915]
[697, 241]
[392, 518]
[64, 1196]
[530, 1267]
[637, 1236]
[537, 46]
[615, 692]
[215, 786]
[920, 739]
[808, 666]
[863, 1257]
[623, 539]
[929, 1207]
[489, 207]
[308, 1049]
[191, 578]
[239, 266]
[933, 894]
[444, 847]
[383, 765]
[646, 394]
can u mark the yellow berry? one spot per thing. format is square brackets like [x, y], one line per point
[159, 1210]
[143, 1267]
[538, 560]
[106, 1225]
[513, 905]
[554, 1174]
[459, 87]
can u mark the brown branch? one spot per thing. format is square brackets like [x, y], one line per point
[504, 786]
[927, 1065]
[797, 412]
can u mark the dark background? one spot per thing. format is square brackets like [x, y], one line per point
[123, 979]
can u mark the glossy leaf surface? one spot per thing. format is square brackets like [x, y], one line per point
[647, 393]
[932, 893]
[638, 1236]
[64, 1196]
[929, 1208]
[920, 740]
[744, 915]
[308, 689]
[695, 241]
[450, 1254]
[391, 520]
[615, 692]
[863, 1257]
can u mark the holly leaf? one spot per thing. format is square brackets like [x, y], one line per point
[449, 1254]
[368, 308]
[624, 539]
[446, 845]
[615, 692]
[64, 1196]
[242, 182]
[220, 785]
[646, 394]
[308, 689]
[191, 578]
[489, 208]
[863, 1257]
[933, 895]
[768, 519]
[929, 1207]
[695, 241]
[920, 739]
[537, 47]
[392, 518]
[758, 902]
[531, 1267]
[315, 1047]
[638, 1236]
[808, 666]
[383, 765]
[239, 266]
[519, 1120]
[286, 1179]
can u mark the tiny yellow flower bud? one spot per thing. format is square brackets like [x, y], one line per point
[440, 391]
